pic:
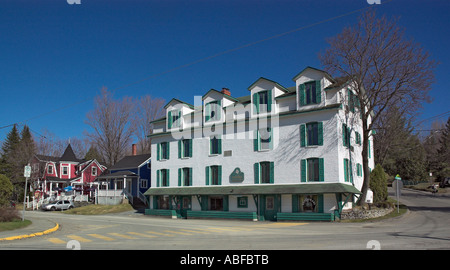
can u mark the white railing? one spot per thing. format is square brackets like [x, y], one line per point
[110, 193]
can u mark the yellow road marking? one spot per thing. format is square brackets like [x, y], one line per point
[158, 233]
[57, 241]
[99, 236]
[195, 231]
[79, 238]
[176, 232]
[141, 234]
[123, 235]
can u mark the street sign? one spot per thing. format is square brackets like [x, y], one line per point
[27, 171]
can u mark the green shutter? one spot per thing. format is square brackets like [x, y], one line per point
[272, 172]
[345, 170]
[180, 174]
[158, 152]
[219, 141]
[168, 149]
[207, 168]
[269, 100]
[207, 112]
[158, 178]
[303, 170]
[225, 203]
[271, 138]
[219, 172]
[191, 142]
[302, 135]
[256, 172]
[318, 92]
[169, 119]
[344, 134]
[256, 103]
[168, 177]
[218, 109]
[255, 140]
[190, 176]
[320, 203]
[368, 150]
[180, 149]
[294, 203]
[301, 92]
[320, 132]
[321, 170]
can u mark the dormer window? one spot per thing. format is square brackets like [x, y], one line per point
[213, 111]
[310, 93]
[174, 118]
[263, 101]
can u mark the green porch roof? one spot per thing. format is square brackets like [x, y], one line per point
[304, 188]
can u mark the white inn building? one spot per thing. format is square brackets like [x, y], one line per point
[277, 154]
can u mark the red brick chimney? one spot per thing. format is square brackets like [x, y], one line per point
[226, 91]
[134, 150]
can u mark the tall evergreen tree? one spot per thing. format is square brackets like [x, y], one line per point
[443, 157]
[9, 147]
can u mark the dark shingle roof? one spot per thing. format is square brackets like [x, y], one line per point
[69, 155]
[129, 162]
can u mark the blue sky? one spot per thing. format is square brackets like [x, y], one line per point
[55, 57]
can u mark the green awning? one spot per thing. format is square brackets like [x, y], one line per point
[304, 188]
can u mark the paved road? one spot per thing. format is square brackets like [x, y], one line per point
[425, 226]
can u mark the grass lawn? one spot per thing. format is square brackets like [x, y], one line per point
[6, 226]
[97, 209]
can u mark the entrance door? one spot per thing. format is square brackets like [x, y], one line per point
[270, 207]
[185, 206]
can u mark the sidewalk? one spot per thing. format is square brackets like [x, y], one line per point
[39, 226]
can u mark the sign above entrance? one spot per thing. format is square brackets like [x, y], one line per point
[237, 176]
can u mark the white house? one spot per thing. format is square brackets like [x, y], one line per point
[278, 153]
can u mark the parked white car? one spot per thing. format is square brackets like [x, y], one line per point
[58, 205]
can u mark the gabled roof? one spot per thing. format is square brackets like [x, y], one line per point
[223, 94]
[130, 162]
[69, 155]
[178, 101]
[270, 81]
[328, 76]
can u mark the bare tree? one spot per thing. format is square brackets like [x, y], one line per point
[147, 109]
[110, 121]
[385, 69]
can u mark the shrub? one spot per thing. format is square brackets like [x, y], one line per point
[378, 184]
[8, 214]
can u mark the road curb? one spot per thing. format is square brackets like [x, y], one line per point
[23, 236]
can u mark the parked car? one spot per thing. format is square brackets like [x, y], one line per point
[445, 183]
[58, 205]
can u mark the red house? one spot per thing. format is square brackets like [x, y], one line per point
[51, 176]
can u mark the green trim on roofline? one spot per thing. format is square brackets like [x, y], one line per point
[304, 188]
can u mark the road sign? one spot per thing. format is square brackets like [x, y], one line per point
[27, 171]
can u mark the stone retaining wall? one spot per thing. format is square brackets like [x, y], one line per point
[365, 214]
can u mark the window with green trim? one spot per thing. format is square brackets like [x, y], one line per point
[242, 202]
[262, 101]
[213, 175]
[264, 172]
[348, 176]
[310, 93]
[215, 145]
[184, 177]
[185, 148]
[312, 170]
[346, 133]
[162, 178]
[213, 111]
[174, 119]
[163, 151]
[263, 139]
[311, 134]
